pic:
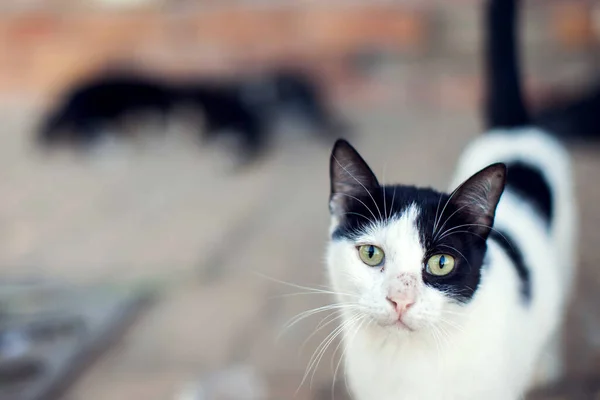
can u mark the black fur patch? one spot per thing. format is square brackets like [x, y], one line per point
[450, 237]
[529, 182]
[513, 251]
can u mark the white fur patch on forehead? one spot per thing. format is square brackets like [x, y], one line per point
[400, 239]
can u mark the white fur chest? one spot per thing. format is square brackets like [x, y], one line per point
[433, 368]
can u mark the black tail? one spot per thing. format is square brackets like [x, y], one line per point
[504, 104]
[575, 120]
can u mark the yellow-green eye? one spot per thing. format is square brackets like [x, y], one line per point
[371, 255]
[440, 264]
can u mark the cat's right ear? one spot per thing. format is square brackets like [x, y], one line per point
[478, 197]
[350, 177]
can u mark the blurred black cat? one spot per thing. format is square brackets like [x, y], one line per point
[289, 93]
[246, 108]
[575, 121]
[91, 106]
[224, 112]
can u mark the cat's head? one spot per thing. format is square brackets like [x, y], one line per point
[407, 257]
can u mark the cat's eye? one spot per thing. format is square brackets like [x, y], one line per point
[440, 265]
[371, 255]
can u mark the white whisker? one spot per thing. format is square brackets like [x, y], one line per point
[435, 219]
[483, 225]
[448, 220]
[392, 202]
[348, 343]
[320, 350]
[452, 233]
[360, 215]
[307, 293]
[361, 202]
[307, 288]
[444, 208]
[361, 184]
[384, 199]
[320, 326]
[456, 250]
[308, 313]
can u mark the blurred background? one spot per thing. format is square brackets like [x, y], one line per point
[144, 269]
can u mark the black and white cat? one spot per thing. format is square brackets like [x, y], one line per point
[461, 295]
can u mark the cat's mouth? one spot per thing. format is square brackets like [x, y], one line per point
[397, 323]
[403, 325]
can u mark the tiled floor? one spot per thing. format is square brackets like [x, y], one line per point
[218, 243]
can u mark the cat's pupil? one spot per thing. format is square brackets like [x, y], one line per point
[442, 261]
[371, 251]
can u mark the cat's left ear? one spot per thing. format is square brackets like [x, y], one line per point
[477, 198]
[350, 177]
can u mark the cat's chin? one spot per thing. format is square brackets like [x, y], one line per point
[397, 325]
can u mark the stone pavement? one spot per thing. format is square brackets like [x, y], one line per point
[170, 214]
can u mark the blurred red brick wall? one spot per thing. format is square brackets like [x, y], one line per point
[45, 44]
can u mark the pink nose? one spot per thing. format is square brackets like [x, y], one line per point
[400, 305]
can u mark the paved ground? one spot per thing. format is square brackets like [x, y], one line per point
[218, 242]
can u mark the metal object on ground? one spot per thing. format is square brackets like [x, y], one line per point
[50, 332]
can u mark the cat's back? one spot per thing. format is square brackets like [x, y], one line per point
[535, 222]
[118, 93]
